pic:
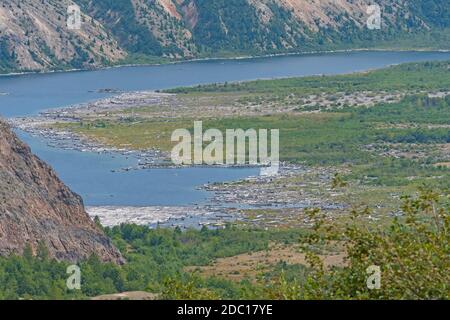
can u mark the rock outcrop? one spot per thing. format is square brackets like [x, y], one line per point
[37, 208]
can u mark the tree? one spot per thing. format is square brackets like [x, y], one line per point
[413, 255]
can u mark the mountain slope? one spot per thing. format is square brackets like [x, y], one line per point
[33, 35]
[37, 208]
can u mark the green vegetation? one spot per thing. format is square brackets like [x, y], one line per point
[404, 77]
[379, 152]
[433, 12]
[243, 31]
[153, 258]
[7, 58]
[390, 144]
[412, 253]
[339, 137]
[130, 34]
[234, 27]
[400, 143]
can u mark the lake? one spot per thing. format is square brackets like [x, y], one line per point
[90, 174]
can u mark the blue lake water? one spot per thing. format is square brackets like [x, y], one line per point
[90, 174]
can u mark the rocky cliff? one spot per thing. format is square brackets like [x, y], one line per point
[37, 208]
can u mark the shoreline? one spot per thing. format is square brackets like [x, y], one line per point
[67, 140]
[152, 158]
[243, 57]
[250, 201]
[230, 202]
[253, 196]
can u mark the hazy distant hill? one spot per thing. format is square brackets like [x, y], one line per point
[34, 36]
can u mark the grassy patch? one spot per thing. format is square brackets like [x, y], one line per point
[326, 138]
[410, 76]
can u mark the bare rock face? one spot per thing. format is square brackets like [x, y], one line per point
[34, 36]
[37, 208]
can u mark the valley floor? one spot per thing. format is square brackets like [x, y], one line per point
[379, 134]
[352, 147]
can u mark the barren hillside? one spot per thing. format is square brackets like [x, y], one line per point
[34, 36]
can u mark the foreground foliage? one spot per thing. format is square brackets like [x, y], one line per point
[155, 259]
[412, 254]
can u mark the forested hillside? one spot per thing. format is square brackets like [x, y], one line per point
[34, 35]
